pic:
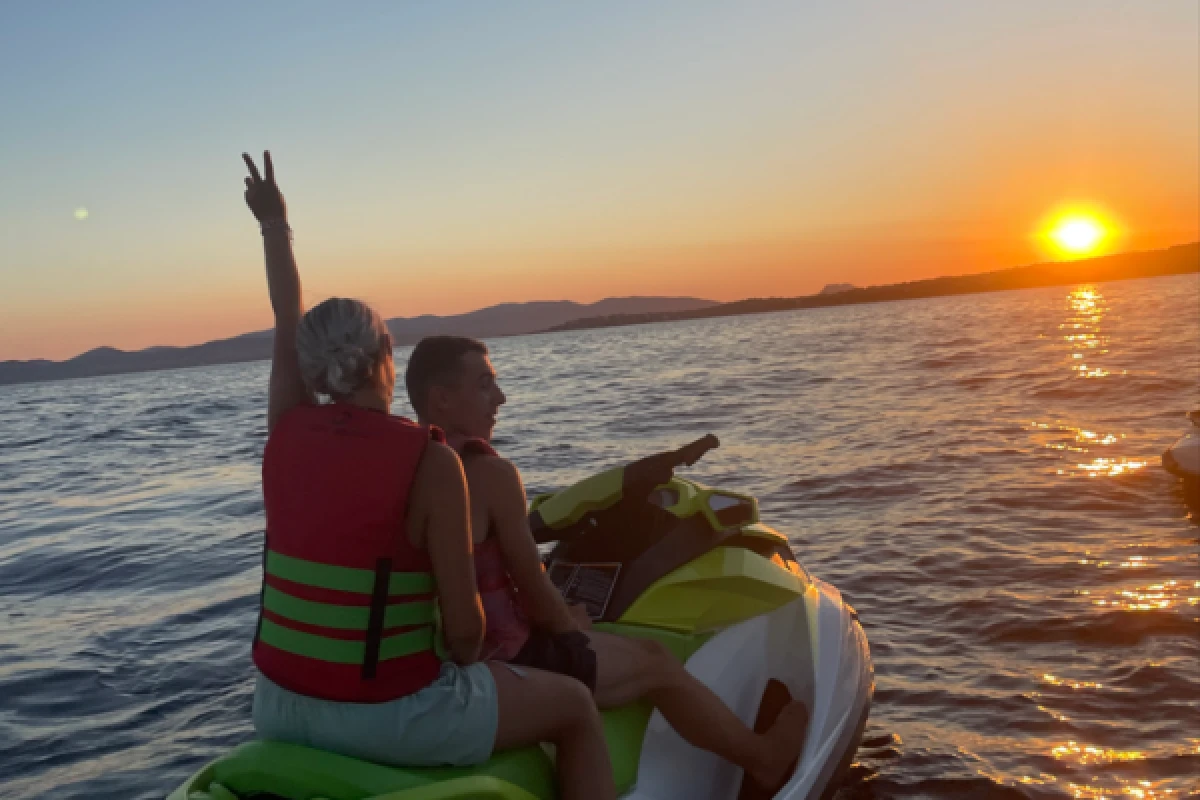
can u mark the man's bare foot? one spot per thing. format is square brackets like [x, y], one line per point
[781, 746]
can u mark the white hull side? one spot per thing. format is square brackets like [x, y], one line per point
[736, 664]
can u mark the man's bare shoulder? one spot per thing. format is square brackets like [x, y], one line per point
[439, 464]
[493, 476]
[491, 468]
[439, 459]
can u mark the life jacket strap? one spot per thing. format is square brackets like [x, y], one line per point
[379, 595]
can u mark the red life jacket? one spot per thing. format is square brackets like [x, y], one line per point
[507, 626]
[347, 601]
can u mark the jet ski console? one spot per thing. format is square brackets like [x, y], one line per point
[620, 531]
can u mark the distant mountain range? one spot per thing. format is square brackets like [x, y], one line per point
[1124, 266]
[511, 319]
[506, 319]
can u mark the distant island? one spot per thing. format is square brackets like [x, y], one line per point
[837, 288]
[1123, 266]
[506, 319]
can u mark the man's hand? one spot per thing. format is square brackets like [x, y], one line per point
[263, 196]
[580, 614]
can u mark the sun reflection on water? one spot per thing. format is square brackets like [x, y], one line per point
[1087, 345]
[1089, 754]
[1092, 771]
[1119, 579]
[1054, 680]
[1098, 467]
[1153, 597]
[1072, 439]
[1079, 755]
[1086, 309]
[1116, 786]
[1146, 790]
[1096, 438]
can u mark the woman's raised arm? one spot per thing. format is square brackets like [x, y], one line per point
[287, 387]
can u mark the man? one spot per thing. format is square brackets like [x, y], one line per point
[451, 384]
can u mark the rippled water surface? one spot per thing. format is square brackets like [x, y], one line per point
[979, 475]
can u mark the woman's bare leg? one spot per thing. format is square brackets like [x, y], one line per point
[542, 706]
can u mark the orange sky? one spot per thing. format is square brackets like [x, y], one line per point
[598, 156]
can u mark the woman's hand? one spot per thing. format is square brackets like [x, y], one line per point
[287, 387]
[263, 196]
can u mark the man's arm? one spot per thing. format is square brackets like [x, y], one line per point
[287, 388]
[506, 500]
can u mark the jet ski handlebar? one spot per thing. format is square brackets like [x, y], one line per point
[553, 519]
[643, 475]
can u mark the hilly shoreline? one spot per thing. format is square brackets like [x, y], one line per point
[515, 319]
[1176, 260]
[505, 319]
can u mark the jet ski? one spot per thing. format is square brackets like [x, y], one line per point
[1182, 459]
[655, 556]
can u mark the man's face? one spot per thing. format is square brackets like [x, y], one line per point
[468, 406]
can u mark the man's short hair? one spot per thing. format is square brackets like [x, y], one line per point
[436, 361]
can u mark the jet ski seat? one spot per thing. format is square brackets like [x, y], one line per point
[265, 769]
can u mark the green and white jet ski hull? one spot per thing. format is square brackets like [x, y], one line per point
[815, 647]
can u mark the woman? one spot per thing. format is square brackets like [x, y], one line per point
[367, 524]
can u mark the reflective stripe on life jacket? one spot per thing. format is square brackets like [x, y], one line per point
[343, 619]
[347, 601]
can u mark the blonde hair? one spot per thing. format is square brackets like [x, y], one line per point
[340, 344]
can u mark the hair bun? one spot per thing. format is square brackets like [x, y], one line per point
[347, 367]
[338, 345]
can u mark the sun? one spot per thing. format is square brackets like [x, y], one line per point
[1078, 232]
[1079, 235]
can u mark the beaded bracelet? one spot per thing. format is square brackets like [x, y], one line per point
[275, 224]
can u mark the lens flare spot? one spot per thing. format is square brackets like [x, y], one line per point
[81, 213]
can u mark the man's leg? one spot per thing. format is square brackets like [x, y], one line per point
[630, 669]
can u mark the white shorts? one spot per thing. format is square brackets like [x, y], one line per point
[452, 721]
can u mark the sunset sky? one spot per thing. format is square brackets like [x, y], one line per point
[440, 157]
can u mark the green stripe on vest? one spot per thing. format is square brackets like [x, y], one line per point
[344, 579]
[339, 651]
[328, 615]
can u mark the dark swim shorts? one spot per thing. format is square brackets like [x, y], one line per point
[567, 653]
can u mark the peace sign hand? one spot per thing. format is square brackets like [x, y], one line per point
[263, 196]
